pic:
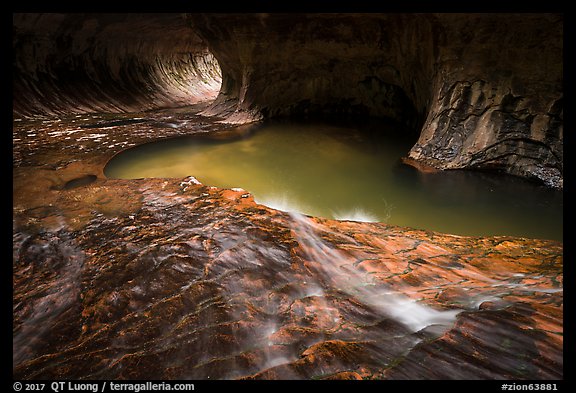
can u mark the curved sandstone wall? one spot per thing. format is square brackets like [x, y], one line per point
[484, 89]
[166, 278]
[75, 63]
[497, 97]
[290, 64]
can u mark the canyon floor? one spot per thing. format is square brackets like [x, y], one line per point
[173, 279]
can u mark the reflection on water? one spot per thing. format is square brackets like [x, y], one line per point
[351, 173]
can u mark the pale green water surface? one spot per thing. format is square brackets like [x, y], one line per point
[351, 173]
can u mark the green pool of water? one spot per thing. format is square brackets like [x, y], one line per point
[351, 173]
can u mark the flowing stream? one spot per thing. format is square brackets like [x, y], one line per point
[335, 273]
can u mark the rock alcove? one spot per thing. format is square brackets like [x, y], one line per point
[169, 279]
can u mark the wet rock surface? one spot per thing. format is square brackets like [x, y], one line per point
[483, 90]
[172, 279]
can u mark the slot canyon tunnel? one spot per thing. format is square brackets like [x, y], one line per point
[168, 278]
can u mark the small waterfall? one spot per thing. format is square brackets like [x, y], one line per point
[336, 271]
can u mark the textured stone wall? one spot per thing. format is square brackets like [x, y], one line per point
[483, 90]
[497, 96]
[486, 89]
[336, 64]
[75, 63]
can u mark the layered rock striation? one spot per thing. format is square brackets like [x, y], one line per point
[173, 279]
[483, 90]
[497, 99]
[108, 63]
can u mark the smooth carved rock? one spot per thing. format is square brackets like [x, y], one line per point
[198, 284]
[484, 90]
[86, 63]
[172, 279]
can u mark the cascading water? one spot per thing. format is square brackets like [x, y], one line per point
[335, 271]
[177, 278]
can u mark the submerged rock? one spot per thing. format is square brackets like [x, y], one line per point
[172, 279]
[482, 90]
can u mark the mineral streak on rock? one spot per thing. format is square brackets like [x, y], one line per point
[484, 90]
[173, 279]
